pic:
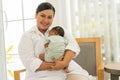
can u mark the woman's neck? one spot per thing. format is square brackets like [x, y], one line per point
[42, 31]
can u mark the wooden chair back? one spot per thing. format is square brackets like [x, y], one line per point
[90, 57]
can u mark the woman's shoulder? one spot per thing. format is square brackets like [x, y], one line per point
[29, 32]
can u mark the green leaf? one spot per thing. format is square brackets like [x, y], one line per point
[10, 73]
[9, 57]
[9, 49]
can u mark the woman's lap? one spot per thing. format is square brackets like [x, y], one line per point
[76, 77]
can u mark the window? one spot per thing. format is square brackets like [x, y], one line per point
[18, 17]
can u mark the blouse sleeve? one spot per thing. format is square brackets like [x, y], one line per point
[72, 44]
[27, 53]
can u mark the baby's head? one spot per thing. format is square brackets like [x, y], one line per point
[57, 31]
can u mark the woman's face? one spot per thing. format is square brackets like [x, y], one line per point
[44, 19]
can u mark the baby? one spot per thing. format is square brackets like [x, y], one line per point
[55, 46]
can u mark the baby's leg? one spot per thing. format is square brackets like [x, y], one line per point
[76, 77]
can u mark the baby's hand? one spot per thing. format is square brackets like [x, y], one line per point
[42, 56]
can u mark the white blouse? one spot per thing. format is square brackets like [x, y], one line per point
[32, 44]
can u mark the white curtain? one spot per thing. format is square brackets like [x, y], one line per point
[91, 18]
[2, 48]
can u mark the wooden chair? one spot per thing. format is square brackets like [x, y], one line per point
[17, 74]
[89, 58]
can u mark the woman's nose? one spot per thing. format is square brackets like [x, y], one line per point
[46, 19]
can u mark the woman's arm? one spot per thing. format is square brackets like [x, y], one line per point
[65, 62]
[27, 56]
[68, 56]
[59, 64]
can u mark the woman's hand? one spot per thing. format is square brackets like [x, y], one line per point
[45, 66]
[58, 65]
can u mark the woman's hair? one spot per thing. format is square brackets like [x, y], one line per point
[58, 30]
[45, 6]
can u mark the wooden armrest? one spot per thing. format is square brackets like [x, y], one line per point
[17, 74]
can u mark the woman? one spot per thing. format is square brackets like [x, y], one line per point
[32, 45]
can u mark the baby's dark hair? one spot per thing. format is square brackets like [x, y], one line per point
[58, 30]
[45, 6]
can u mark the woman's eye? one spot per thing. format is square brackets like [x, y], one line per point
[42, 15]
[50, 17]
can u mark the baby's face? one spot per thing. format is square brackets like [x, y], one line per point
[52, 33]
